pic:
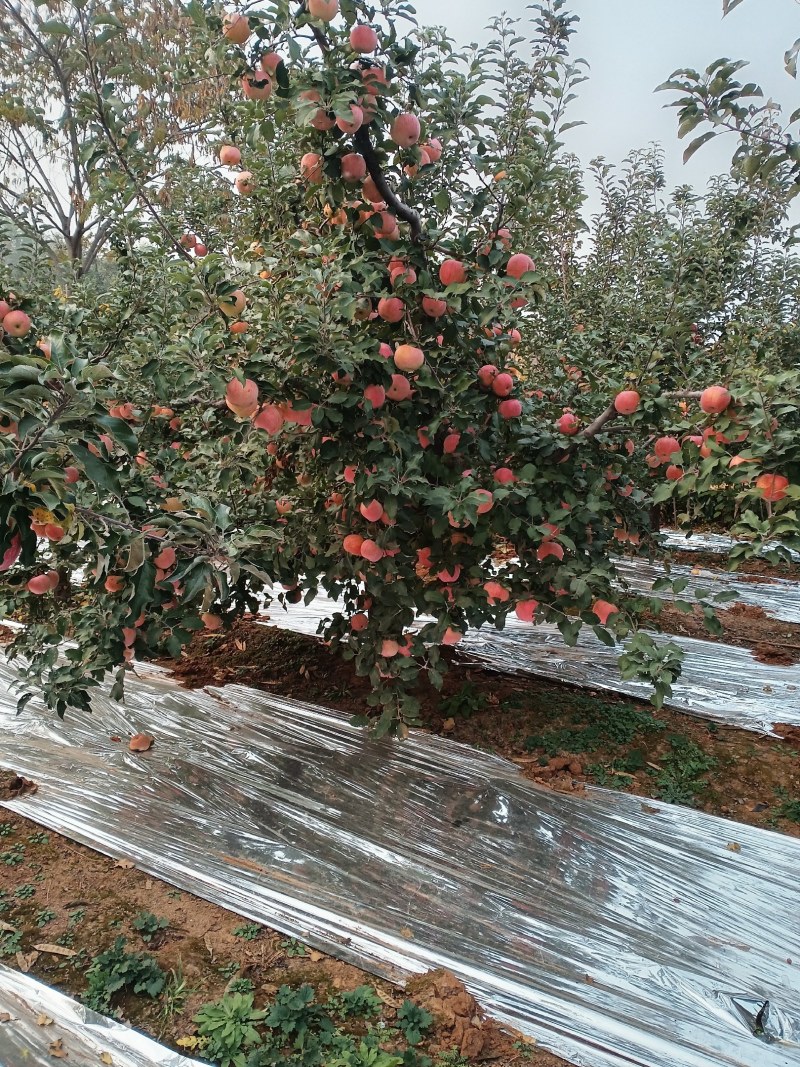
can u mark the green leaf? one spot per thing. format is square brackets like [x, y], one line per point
[698, 142]
[97, 470]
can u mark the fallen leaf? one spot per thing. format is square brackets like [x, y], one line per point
[26, 962]
[5, 1017]
[125, 865]
[734, 846]
[315, 956]
[6, 927]
[648, 809]
[241, 645]
[448, 725]
[57, 1050]
[43, 1020]
[56, 950]
[106, 1058]
[140, 743]
[406, 932]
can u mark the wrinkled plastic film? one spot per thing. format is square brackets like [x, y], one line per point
[717, 543]
[777, 597]
[719, 682]
[74, 1035]
[612, 930]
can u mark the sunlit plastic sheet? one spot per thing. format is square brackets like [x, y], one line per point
[718, 681]
[615, 931]
[777, 597]
[78, 1036]
[719, 544]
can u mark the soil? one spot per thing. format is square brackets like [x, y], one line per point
[746, 625]
[73, 900]
[560, 736]
[750, 569]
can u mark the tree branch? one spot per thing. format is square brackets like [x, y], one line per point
[362, 141]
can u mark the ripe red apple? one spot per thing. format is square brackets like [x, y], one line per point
[715, 399]
[16, 323]
[487, 374]
[391, 308]
[372, 510]
[376, 395]
[602, 609]
[666, 446]
[400, 389]
[269, 419]
[352, 544]
[502, 384]
[371, 550]
[353, 121]
[448, 575]
[497, 593]
[405, 130]
[39, 585]
[549, 548]
[242, 399]
[166, 558]
[486, 500]
[674, 473]
[230, 156]
[509, 409]
[359, 622]
[433, 307]
[772, 486]
[234, 304]
[568, 424]
[245, 183]
[408, 358]
[354, 167]
[504, 476]
[452, 272]
[450, 443]
[627, 401]
[323, 10]
[256, 85]
[434, 149]
[518, 265]
[311, 168]
[236, 27]
[363, 39]
[525, 610]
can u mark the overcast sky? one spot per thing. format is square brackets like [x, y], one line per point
[632, 46]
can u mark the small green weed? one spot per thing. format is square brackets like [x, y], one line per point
[249, 932]
[76, 916]
[44, 916]
[595, 725]
[293, 947]
[115, 970]
[14, 856]
[149, 926]
[25, 892]
[66, 939]
[681, 776]
[789, 809]
[229, 1027]
[413, 1021]
[463, 704]
[173, 1000]
[6, 829]
[228, 970]
[10, 943]
[241, 985]
[451, 1058]
[39, 838]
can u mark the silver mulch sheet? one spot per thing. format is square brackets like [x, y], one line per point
[615, 931]
[74, 1035]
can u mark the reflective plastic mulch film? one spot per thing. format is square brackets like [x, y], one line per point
[719, 544]
[40, 1027]
[615, 931]
[718, 681]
